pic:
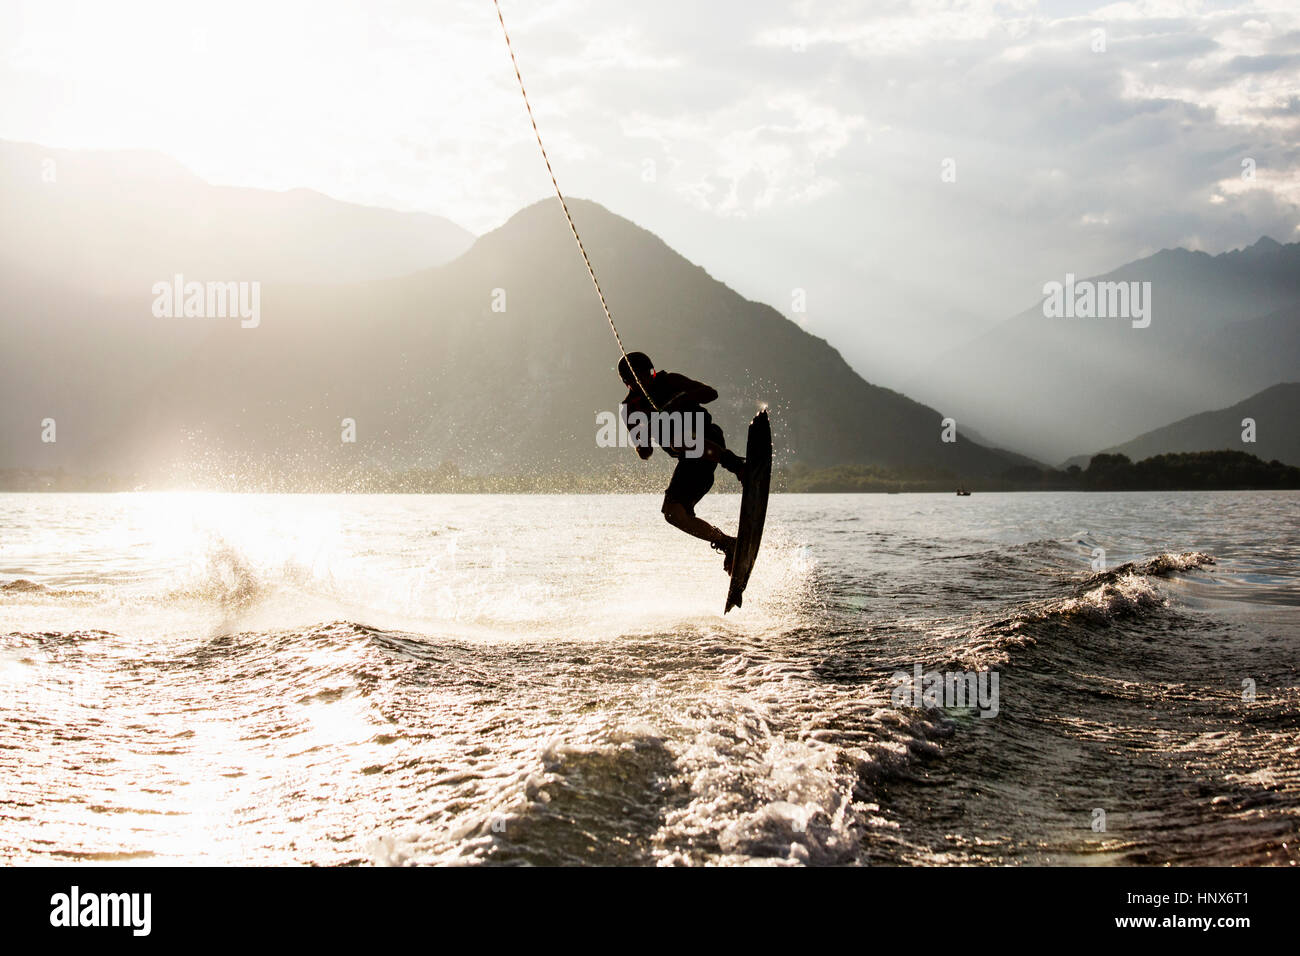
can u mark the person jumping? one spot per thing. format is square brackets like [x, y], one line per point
[692, 478]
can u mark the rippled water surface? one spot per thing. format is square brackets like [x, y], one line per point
[431, 679]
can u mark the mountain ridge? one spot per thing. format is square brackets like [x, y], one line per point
[1053, 372]
[1274, 411]
[432, 375]
[117, 219]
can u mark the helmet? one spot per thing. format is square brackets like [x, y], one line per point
[637, 362]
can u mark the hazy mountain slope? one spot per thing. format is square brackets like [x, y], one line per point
[122, 220]
[82, 359]
[1276, 412]
[1049, 386]
[1255, 353]
[432, 374]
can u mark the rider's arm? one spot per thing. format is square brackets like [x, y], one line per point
[687, 391]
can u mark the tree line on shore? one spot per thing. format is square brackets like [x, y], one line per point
[1188, 471]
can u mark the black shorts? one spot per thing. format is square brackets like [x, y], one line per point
[693, 477]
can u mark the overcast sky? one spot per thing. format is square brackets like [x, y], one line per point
[781, 145]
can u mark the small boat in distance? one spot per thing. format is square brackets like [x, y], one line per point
[963, 492]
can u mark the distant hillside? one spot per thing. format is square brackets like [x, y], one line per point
[1189, 471]
[1221, 327]
[1275, 411]
[1195, 471]
[433, 375]
[117, 221]
[1256, 353]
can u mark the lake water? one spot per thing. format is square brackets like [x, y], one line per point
[239, 679]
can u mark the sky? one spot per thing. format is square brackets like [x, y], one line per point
[907, 170]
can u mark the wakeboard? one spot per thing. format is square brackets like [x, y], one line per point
[753, 506]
